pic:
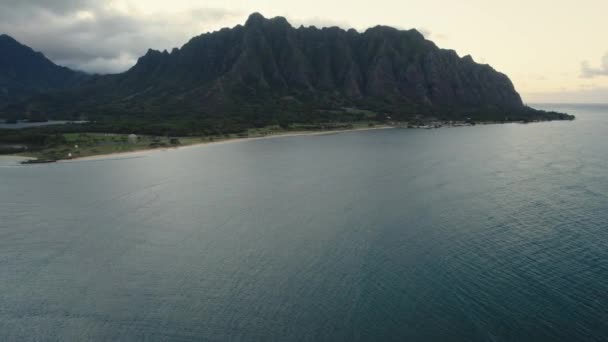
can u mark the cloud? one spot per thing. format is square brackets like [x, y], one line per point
[590, 72]
[318, 22]
[321, 22]
[109, 36]
[103, 36]
[425, 32]
[585, 94]
[429, 34]
[56, 6]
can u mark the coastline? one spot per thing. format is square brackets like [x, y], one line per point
[186, 142]
[141, 152]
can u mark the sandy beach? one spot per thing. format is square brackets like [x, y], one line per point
[143, 152]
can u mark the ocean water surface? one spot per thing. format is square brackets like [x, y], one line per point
[487, 233]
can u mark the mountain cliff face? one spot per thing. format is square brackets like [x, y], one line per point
[268, 71]
[381, 63]
[24, 72]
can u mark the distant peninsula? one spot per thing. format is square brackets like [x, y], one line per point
[264, 73]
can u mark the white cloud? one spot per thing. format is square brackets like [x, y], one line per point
[103, 65]
[425, 32]
[590, 72]
[585, 94]
[318, 22]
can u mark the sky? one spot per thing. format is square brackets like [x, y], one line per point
[554, 51]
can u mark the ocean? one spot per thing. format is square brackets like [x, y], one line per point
[485, 233]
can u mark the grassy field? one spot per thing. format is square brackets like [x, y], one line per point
[78, 145]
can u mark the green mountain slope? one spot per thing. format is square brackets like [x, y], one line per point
[24, 72]
[268, 72]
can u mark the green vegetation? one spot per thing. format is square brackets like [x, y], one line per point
[269, 73]
[65, 142]
[263, 78]
[75, 145]
[24, 72]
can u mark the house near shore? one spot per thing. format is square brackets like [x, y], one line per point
[132, 138]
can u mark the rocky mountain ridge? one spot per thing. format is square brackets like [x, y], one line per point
[268, 72]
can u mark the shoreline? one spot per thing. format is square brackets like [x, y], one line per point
[139, 153]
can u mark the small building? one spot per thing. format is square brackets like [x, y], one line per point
[132, 138]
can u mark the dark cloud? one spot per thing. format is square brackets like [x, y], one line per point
[94, 37]
[590, 72]
[56, 6]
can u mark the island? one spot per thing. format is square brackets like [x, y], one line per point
[262, 78]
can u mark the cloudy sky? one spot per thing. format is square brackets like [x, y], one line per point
[555, 51]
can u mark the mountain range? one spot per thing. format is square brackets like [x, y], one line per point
[25, 72]
[268, 72]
